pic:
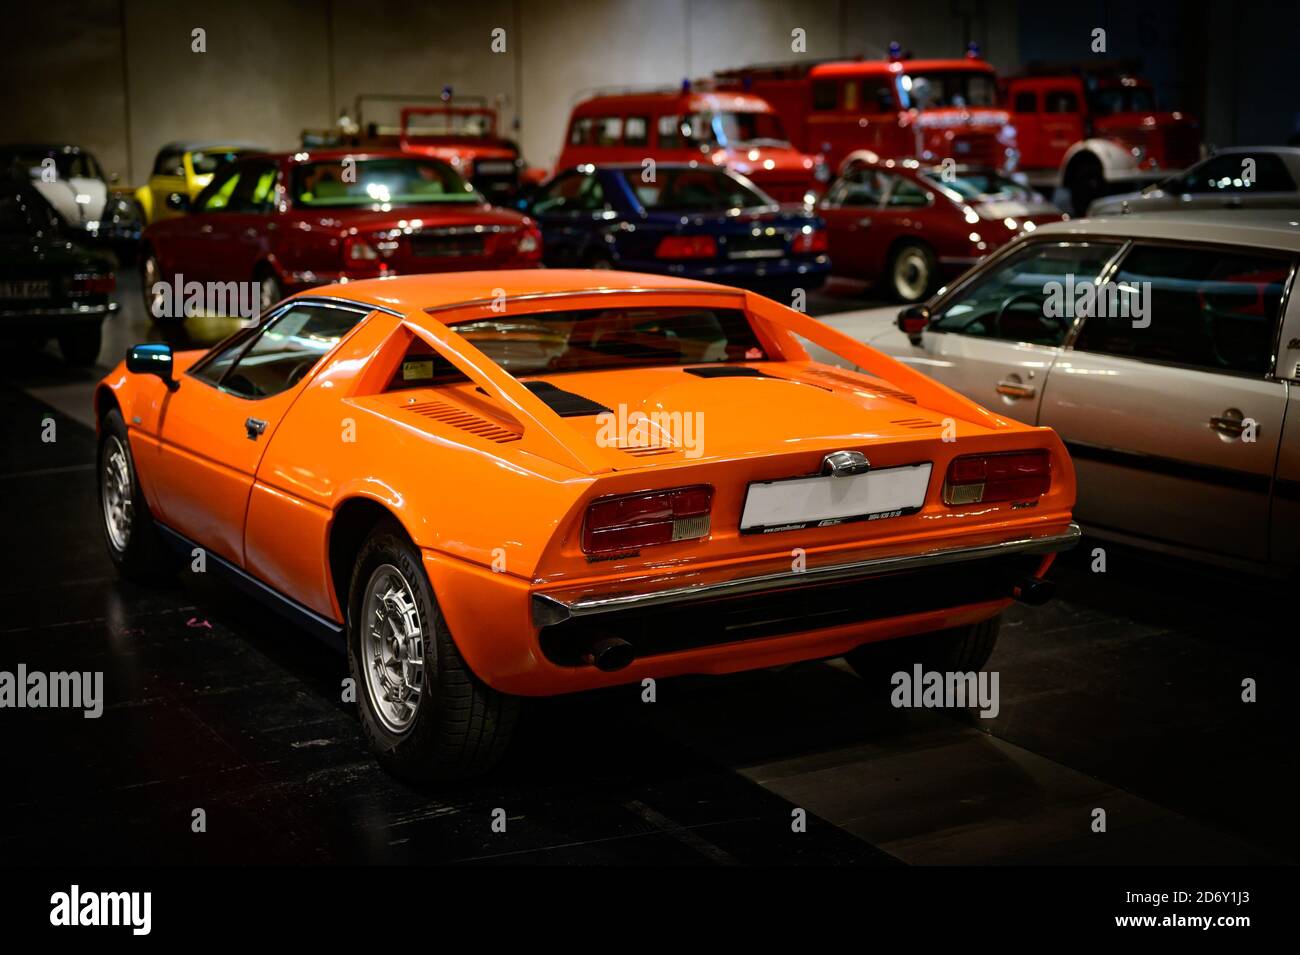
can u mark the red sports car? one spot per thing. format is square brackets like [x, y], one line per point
[911, 225]
[293, 221]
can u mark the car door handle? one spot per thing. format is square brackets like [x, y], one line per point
[1014, 389]
[254, 427]
[864, 223]
[1231, 422]
[250, 233]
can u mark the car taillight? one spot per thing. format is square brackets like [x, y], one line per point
[632, 521]
[687, 247]
[986, 478]
[359, 255]
[810, 240]
[530, 243]
[93, 284]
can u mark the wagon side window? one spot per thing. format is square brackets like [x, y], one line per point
[286, 349]
[670, 132]
[636, 131]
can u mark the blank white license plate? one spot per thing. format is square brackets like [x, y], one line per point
[825, 500]
[25, 288]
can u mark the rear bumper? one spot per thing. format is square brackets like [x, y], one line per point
[17, 319]
[536, 639]
[551, 608]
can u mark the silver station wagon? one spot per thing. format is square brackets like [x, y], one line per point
[1163, 348]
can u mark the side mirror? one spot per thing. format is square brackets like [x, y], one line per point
[178, 201]
[913, 320]
[152, 359]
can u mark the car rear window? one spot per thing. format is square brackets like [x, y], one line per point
[603, 338]
[707, 190]
[379, 182]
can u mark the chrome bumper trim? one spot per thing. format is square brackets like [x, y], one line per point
[548, 610]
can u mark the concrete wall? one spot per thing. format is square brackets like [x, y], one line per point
[120, 77]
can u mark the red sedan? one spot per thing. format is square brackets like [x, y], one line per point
[293, 221]
[911, 225]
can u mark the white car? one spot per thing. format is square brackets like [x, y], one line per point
[1245, 177]
[71, 180]
[1179, 400]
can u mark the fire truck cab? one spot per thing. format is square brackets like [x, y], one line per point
[1096, 131]
[899, 108]
[738, 130]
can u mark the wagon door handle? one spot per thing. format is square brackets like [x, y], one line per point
[1232, 423]
[864, 222]
[1014, 389]
[254, 427]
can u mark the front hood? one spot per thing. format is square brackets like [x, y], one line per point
[1109, 205]
[78, 200]
[805, 406]
[465, 152]
[760, 162]
[429, 216]
[1036, 211]
[723, 222]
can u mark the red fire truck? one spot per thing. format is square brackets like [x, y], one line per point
[737, 130]
[1094, 129]
[898, 108]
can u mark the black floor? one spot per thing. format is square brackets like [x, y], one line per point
[1122, 695]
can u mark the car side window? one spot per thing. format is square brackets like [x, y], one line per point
[573, 192]
[636, 131]
[906, 194]
[1013, 300]
[1203, 308]
[1060, 101]
[169, 163]
[1237, 173]
[284, 350]
[826, 94]
[254, 190]
[1026, 102]
[858, 187]
[215, 197]
[878, 95]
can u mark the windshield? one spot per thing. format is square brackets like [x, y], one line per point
[1010, 300]
[590, 339]
[206, 163]
[947, 88]
[694, 190]
[1122, 99]
[32, 162]
[380, 182]
[463, 124]
[736, 129]
[983, 186]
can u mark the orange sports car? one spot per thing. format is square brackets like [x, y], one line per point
[495, 485]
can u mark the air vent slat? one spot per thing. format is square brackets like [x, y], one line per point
[465, 421]
[876, 389]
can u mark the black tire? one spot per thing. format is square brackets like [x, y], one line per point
[960, 650]
[151, 273]
[913, 272]
[80, 346]
[144, 556]
[461, 726]
[1085, 182]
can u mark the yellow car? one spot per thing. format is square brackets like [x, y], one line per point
[180, 172]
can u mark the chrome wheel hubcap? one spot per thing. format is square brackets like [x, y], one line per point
[115, 492]
[911, 274]
[392, 648]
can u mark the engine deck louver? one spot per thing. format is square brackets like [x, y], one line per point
[876, 388]
[465, 421]
[916, 424]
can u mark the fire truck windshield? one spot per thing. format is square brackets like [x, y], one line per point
[940, 88]
[737, 129]
[1109, 100]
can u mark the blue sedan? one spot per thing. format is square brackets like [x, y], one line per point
[689, 219]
